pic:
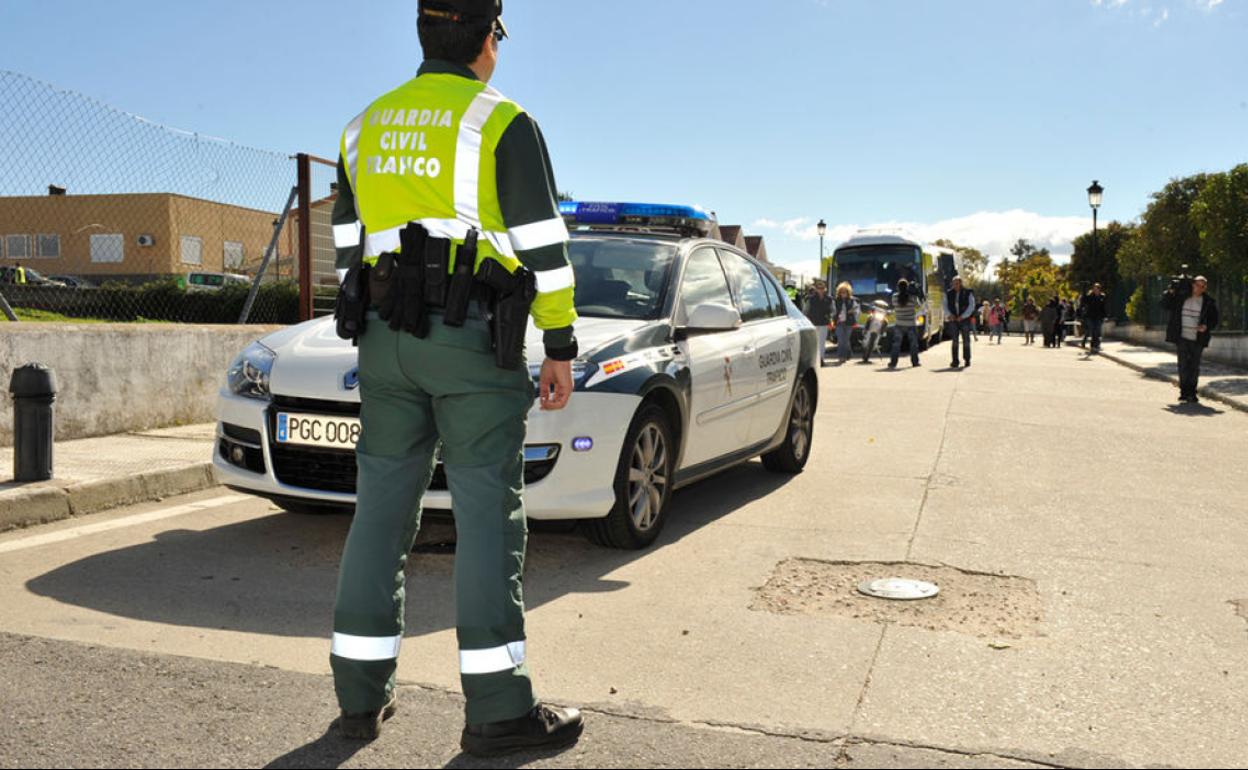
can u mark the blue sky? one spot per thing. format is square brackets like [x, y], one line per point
[980, 120]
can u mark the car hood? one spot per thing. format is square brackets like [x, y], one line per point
[312, 362]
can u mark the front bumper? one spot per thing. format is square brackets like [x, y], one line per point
[575, 485]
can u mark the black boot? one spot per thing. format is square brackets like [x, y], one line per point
[545, 727]
[367, 726]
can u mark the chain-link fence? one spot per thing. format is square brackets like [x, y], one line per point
[107, 216]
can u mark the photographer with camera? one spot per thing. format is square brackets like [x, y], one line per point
[1193, 317]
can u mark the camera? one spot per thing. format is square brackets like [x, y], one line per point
[1181, 284]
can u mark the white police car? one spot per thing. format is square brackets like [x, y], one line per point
[693, 359]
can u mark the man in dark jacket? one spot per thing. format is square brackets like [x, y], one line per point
[819, 310]
[1193, 317]
[960, 312]
[1093, 314]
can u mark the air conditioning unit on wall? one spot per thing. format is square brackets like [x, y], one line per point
[147, 240]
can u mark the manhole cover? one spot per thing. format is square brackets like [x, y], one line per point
[900, 589]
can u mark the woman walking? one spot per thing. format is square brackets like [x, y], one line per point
[996, 321]
[844, 315]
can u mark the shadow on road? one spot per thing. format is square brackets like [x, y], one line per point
[1193, 410]
[277, 574]
[330, 750]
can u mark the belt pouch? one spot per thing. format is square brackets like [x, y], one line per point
[437, 265]
[459, 294]
[412, 315]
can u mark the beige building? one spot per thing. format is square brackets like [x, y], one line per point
[133, 236]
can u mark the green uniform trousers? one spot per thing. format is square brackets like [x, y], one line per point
[415, 393]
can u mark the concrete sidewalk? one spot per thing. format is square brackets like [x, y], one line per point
[1217, 381]
[95, 474]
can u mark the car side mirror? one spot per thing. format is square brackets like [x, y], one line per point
[711, 317]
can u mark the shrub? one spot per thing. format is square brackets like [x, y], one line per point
[1137, 306]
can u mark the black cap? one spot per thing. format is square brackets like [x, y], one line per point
[464, 11]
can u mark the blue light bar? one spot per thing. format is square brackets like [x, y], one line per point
[640, 215]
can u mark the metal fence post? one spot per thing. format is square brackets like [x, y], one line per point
[268, 254]
[8, 311]
[305, 236]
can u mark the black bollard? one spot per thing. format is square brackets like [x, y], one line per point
[33, 387]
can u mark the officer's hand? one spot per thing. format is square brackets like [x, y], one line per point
[555, 384]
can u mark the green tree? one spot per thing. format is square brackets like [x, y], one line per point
[974, 261]
[1166, 237]
[1220, 215]
[1033, 276]
[1023, 249]
[1084, 270]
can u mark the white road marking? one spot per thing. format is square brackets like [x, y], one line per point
[34, 541]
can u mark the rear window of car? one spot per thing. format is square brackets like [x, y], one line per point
[207, 279]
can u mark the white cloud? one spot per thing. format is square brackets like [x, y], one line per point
[992, 232]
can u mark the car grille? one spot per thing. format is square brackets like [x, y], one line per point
[333, 470]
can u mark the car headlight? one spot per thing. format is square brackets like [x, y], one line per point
[920, 320]
[249, 374]
[580, 368]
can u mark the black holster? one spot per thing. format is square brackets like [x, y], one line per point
[511, 298]
[403, 277]
[351, 306]
[459, 294]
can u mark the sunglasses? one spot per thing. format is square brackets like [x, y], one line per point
[499, 32]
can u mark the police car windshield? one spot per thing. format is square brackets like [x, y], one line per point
[620, 277]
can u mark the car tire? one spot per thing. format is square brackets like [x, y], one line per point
[791, 456]
[643, 484]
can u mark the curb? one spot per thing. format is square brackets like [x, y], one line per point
[1205, 391]
[53, 501]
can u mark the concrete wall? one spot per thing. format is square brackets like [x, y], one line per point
[1229, 349]
[115, 378]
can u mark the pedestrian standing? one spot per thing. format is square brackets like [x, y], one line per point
[429, 382]
[819, 312]
[1048, 322]
[907, 305]
[1068, 320]
[960, 308]
[1193, 317]
[1094, 316]
[844, 316]
[1031, 321]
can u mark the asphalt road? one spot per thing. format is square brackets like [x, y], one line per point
[1087, 536]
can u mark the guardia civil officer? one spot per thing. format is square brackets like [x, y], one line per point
[447, 224]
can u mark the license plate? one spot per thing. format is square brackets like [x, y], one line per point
[318, 430]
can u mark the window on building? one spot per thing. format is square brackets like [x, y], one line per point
[233, 255]
[17, 246]
[192, 250]
[108, 248]
[49, 246]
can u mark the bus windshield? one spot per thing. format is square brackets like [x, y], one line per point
[873, 271]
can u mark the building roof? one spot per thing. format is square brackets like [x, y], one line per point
[754, 245]
[123, 197]
[731, 234]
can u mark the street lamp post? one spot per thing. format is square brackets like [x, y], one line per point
[1095, 193]
[823, 230]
